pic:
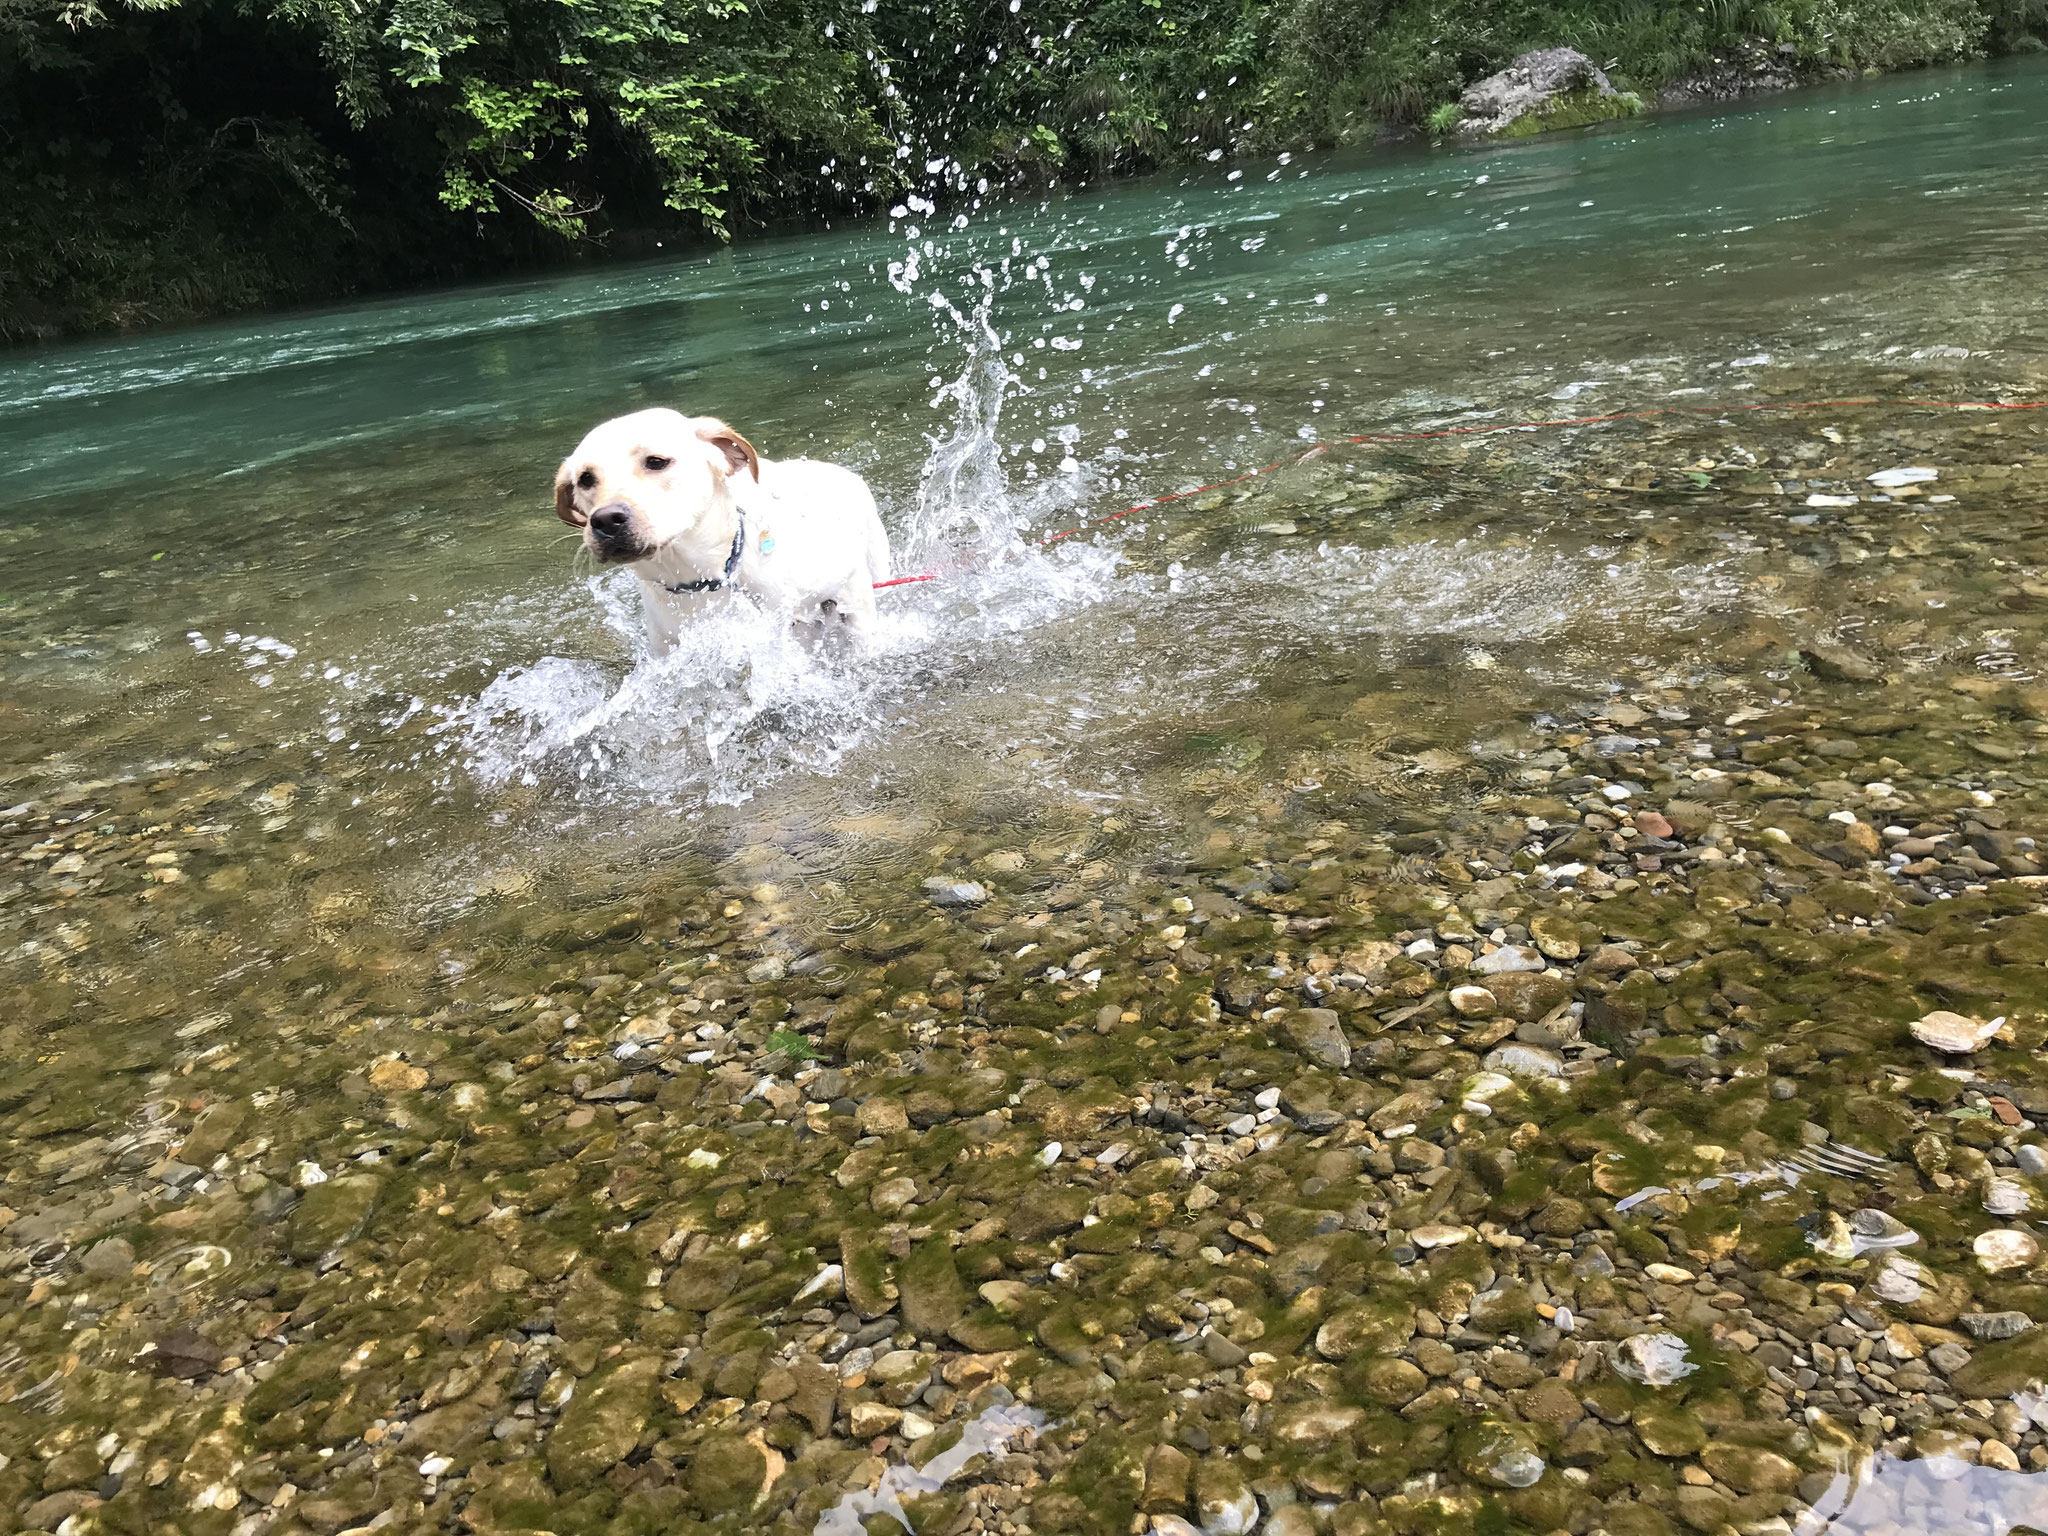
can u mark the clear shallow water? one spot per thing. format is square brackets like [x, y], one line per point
[317, 545]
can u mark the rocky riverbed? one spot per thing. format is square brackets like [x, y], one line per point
[1617, 1111]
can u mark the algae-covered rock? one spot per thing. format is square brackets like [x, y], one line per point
[213, 1133]
[511, 1497]
[603, 1421]
[1527, 996]
[1749, 1469]
[1318, 1033]
[1509, 1309]
[332, 1213]
[1047, 1210]
[1999, 1369]
[1669, 1430]
[1314, 1425]
[1394, 1382]
[1224, 1502]
[1167, 1472]
[1495, 1454]
[703, 1283]
[865, 1268]
[728, 1474]
[930, 1293]
[1562, 1216]
[1367, 1328]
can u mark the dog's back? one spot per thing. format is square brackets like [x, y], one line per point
[833, 495]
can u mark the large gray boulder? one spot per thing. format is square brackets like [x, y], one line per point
[1533, 83]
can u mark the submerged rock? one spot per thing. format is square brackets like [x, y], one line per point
[1954, 1034]
[1224, 1502]
[603, 1421]
[1656, 1359]
[2004, 1249]
[332, 1213]
[1318, 1034]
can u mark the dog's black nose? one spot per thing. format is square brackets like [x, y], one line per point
[611, 520]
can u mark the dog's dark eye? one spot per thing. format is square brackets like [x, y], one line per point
[588, 480]
[656, 463]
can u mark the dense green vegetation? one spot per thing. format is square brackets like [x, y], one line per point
[167, 158]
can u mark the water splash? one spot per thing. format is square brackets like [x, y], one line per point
[963, 493]
[1935, 1493]
[992, 1433]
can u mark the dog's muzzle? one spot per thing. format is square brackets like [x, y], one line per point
[612, 534]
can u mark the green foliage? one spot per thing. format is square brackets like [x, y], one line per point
[164, 158]
[792, 1044]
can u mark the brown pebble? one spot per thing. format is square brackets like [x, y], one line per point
[2007, 1112]
[1652, 824]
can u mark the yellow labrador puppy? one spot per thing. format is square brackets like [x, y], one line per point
[689, 504]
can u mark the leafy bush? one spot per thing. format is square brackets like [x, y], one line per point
[168, 158]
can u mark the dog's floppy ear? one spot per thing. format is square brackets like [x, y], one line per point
[565, 499]
[739, 453]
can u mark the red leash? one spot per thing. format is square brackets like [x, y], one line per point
[1480, 431]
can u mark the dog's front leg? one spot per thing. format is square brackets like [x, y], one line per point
[854, 605]
[663, 622]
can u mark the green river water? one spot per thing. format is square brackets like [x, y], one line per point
[442, 1041]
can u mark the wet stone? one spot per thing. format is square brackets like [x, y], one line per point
[1750, 1469]
[1318, 1033]
[186, 1353]
[110, 1256]
[1508, 959]
[331, 1213]
[602, 1422]
[1995, 1325]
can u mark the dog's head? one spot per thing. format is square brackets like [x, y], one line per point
[637, 482]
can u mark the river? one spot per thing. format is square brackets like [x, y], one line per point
[349, 823]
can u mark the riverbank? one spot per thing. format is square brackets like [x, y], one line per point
[162, 166]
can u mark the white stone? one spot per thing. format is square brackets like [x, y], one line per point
[1474, 1002]
[1531, 1061]
[1437, 1235]
[829, 1283]
[1224, 1516]
[2006, 1248]
[2007, 1197]
[1487, 1086]
[1899, 1282]
[1509, 957]
[1953, 1033]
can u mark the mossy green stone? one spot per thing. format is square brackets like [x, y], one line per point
[332, 1213]
[1999, 1370]
[727, 1474]
[931, 1295]
[602, 1422]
